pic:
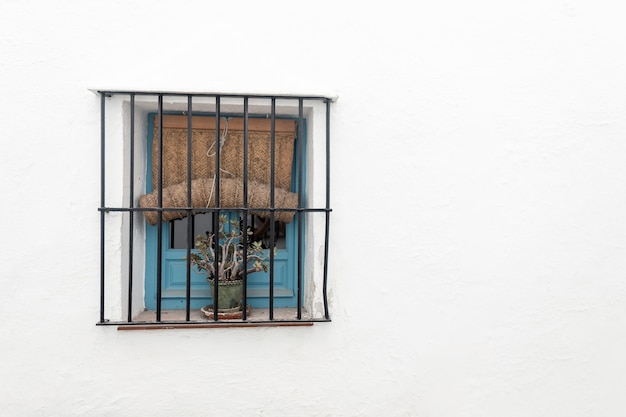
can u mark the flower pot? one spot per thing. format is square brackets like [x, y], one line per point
[230, 293]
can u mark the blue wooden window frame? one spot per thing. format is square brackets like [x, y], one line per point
[174, 264]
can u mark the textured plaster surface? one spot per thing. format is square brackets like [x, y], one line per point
[478, 192]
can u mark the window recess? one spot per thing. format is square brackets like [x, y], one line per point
[174, 163]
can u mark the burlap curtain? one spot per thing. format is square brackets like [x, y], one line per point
[174, 175]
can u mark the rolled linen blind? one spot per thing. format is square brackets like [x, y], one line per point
[175, 153]
[231, 152]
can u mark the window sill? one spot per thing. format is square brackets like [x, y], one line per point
[258, 317]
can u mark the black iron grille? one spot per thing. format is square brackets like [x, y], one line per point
[191, 105]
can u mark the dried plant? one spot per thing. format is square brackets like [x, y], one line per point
[230, 253]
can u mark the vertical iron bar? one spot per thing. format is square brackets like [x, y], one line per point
[189, 213]
[193, 231]
[300, 214]
[272, 197]
[327, 225]
[244, 314]
[131, 204]
[217, 206]
[159, 276]
[102, 201]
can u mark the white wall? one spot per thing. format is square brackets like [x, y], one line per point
[488, 136]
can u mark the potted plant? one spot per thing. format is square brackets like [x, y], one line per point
[230, 261]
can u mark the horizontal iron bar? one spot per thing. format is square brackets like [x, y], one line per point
[212, 210]
[229, 95]
[221, 323]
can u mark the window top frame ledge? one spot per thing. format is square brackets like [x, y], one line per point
[331, 96]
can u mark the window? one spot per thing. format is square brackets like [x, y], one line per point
[260, 161]
[174, 236]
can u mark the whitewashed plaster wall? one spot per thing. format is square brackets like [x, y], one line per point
[479, 188]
